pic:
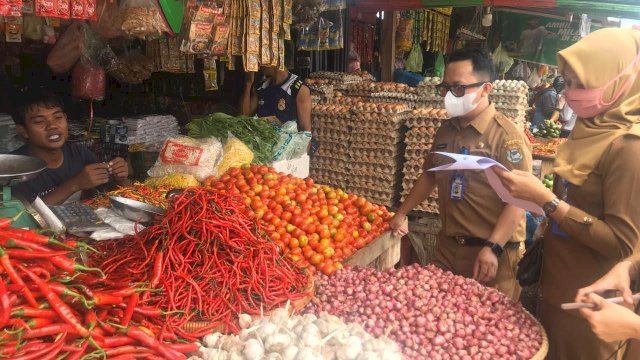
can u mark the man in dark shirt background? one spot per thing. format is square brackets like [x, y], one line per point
[71, 168]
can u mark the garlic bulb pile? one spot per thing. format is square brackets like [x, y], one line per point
[284, 337]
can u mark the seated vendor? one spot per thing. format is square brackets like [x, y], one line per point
[71, 168]
[282, 95]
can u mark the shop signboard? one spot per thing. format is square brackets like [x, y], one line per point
[534, 37]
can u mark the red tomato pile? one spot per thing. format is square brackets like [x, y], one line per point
[317, 225]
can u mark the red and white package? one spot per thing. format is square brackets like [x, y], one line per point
[90, 12]
[47, 8]
[77, 9]
[11, 7]
[64, 9]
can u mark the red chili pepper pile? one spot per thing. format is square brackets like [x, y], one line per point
[207, 261]
[54, 308]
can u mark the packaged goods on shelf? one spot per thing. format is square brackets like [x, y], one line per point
[151, 129]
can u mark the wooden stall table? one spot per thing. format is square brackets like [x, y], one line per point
[383, 253]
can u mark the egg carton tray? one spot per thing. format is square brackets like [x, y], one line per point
[332, 111]
[374, 116]
[372, 183]
[424, 146]
[365, 154]
[326, 176]
[435, 113]
[373, 133]
[429, 104]
[417, 152]
[420, 134]
[387, 109]
[330, 164]
[377, 140]
[370, 175]
[387, 168]
[331, 133]
[379, 143]
[332, 149]
[413, 123]
[336, 123]
[373, 191]
[415, 163]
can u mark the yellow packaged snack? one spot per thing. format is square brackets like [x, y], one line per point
[235, 154]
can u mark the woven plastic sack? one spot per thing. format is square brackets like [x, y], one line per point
[197, 157]
[415, 60]
[235, 154]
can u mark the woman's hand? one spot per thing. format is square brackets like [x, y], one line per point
[611, 322]
[524, 185]
[618, 278]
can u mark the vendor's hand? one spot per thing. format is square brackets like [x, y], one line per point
[119, 168]
[618, 278]
[486, 266]
[561, 101]
[524, 185]
[91, 176]
[398, 225]
[249, 77]
[611, 322]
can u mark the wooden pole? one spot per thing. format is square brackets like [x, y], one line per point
[388, 45]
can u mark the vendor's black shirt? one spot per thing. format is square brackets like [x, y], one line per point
[76, 157]
[279, 100]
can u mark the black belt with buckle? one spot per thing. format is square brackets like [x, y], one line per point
[474, 241]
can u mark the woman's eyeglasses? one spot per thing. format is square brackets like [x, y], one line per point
[456, 90]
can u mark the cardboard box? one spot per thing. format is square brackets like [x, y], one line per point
[297, 167]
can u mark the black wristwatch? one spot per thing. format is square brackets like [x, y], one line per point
[496, 248]
[551, 206]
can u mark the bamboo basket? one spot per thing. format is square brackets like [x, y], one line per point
[544, 347]
[295, 306]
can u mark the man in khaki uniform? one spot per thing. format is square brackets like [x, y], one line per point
[481, 236]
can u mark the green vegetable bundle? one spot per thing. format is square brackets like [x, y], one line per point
[259, 135]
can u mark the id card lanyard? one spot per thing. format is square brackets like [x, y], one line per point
[459, 182]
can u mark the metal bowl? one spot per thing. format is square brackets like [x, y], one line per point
[15, 169]
[135, 210]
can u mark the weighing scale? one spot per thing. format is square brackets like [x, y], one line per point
[15, 169]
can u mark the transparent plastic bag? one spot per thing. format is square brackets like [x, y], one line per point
[292, 144]
[501, 60]
[438, 70]
[142, 19]
[197, 157]
[108, 24]
[415, 60]
[88, 81]
[235, 154]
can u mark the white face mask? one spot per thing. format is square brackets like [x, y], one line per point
[460, 106]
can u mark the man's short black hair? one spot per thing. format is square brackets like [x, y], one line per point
[24, 101]
[482, 64]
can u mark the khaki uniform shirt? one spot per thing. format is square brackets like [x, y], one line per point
[601, 228]
[491, 135]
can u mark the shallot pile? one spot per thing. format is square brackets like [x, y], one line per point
[430, 313]
[283, 337]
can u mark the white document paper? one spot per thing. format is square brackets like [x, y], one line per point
[471, 162]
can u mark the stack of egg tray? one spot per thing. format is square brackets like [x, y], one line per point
[376, 152]
[422, 126]
[330, 124]
[510, 98]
